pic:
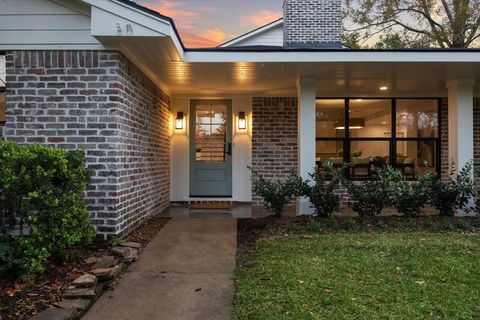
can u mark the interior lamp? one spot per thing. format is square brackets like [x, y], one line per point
[179, 121]
[242, 121]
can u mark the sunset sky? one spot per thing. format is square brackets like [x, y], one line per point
[208, 23]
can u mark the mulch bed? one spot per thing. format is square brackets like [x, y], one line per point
[146, 231]
[21, 302]
[250, 230]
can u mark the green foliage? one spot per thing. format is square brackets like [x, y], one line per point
[332, 223]
[445, 24]
[462, 224]
[312, 226]
[408, 197]
[359, 275]
[402, 40]
[367, 198]
[321, 192]
[349, 224]
[276, 193]
[447, 225]
[454, 193]
[115, 240]
[41, 198]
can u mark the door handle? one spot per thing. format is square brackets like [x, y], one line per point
[229, 149]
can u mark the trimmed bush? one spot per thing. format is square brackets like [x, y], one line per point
[455, 193]
[408, 197]
[321, 192]
[367, 198]
[276, 193]
[42, 209]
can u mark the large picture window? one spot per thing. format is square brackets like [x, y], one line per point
[373, 133]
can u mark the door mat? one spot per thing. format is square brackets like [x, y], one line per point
[210, 214]
[210, 206]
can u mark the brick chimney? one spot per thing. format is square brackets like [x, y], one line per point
[312, 24]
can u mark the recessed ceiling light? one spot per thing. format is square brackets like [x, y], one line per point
[383, 88]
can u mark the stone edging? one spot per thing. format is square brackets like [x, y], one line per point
[87, 288]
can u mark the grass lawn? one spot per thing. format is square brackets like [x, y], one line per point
[378, 275]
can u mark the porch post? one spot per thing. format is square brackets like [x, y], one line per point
[307, 93]
[460, 121]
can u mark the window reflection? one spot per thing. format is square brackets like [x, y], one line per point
[416, 157]
[210, 133]
[330, 113]
[417, 118]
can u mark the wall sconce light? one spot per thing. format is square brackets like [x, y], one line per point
[179, 121]
[242, 121]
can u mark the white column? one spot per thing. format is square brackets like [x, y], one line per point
[307, 93]
[460, 121]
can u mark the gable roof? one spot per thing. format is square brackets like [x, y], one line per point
[156, 14]
[253, 33]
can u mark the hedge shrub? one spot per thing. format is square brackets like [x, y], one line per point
[321, 190]
[42, 209]
[276, 193]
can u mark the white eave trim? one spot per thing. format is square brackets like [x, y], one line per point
[251, 34]
[156, 24]
[331, 56]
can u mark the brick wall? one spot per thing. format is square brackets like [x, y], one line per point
[144, 152]
[84, 100]
[312, 23]
[274, 137]
[445, 162]
[476, 138]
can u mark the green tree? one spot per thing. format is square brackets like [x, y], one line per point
[416, 23]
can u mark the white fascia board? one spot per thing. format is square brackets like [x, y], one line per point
[251, 34]
[331, 56]
[149, 24]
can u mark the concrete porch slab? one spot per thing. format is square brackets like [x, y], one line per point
[186, 272]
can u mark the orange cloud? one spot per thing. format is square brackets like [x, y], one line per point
[176, 11]
[194, 41]
[261, 18]
[215, 34]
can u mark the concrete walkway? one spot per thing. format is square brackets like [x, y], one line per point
[184, 273]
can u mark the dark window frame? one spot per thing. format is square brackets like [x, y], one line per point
[346, 139]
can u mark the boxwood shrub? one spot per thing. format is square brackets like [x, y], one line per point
[42, 209]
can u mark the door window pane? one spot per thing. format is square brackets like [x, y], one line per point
[370, 118]
[368, 156]
[415, 157]
[2, 71]
[330, 118]
[417, 118]
[210, 135]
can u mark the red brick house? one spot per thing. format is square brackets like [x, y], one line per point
[163, 123]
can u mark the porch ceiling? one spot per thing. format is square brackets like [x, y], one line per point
[204, 74]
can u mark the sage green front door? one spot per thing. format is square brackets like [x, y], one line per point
[211, 148]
